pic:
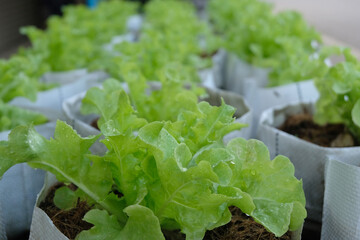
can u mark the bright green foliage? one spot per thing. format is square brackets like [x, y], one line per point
[340, 94]
[11, 116]
[258, 36]
[163, 99]
[19, 76]
[172, 36]
[76, 40]
[117, 117]
[142, 224]
[277, 194]
[172, 174]
[73, 41]
[170, 102]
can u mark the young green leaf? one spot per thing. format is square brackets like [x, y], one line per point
[117, 117]
[141, 224]
[278, 196]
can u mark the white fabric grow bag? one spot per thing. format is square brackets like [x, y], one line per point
[341, 214]
[2, 225]
[309, 159]
[64, 77]
[236, 72]
[42, 228]
[134, 23]
[51, 100]
[18, 189]
[213, 77]
[82, 123]
[251, 82]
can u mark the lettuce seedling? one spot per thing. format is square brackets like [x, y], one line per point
[282, 42]
[339, 90]
[172, 174]
[172, 35]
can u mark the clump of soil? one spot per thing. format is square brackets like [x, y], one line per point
[69, 222]
[241, 227]
[94, 124]
[331, 135]
[205, 55]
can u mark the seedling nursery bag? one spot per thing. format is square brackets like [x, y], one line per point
[309, 159]
[42, 228]
[2, 226]
[51, 100]
[18, 189]
[341, 202]
[213, 77]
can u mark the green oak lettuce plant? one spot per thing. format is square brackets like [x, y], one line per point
[76, 40]
[153, 101]
[339, 90]
[19, 77]
[172, 34]
[70, 42]
[258, 36]
[172, 174]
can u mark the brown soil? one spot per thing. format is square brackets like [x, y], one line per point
[69, 222]
[241, 227]
[94, 124]
[208, 55]
[330, 135]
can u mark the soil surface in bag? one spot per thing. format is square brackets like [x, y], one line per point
[205, 55]
[330, 135]
[94, 124]
[241, 226]
[69, 222]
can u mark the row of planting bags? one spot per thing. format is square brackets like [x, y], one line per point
[276, 53]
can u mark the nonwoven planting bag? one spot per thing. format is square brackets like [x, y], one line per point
[42, 228]
[64, 77]
[18, 189]
[262, 98]
[341, 214]
[51, 100]
[309, 159]
[2, 225]
[236, 71]
[134, 23]
[213, 77]
[251, 82]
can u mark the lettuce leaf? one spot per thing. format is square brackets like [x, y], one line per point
[12, 116]
[339, 93]
[278, 196]
[117, 117]
[142, 224]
